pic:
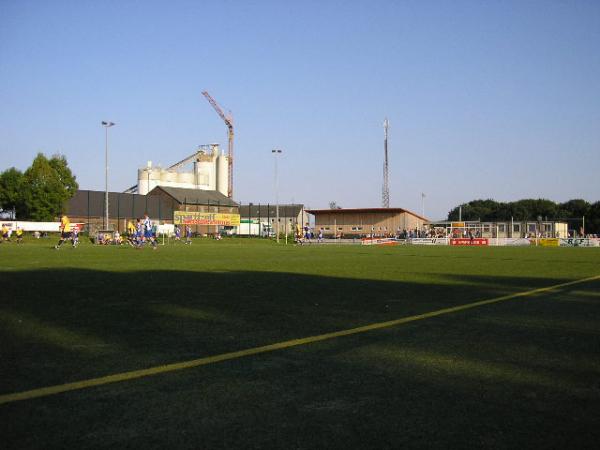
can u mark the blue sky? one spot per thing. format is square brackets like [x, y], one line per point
[485, 99]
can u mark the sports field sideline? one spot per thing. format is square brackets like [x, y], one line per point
[520, 370]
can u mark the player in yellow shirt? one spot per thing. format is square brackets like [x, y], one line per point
[131, 233]
[5, 233]
[65, 230]
[19, 234]
[298, 234]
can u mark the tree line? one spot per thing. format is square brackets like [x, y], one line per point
[571, 211]
[42, 192]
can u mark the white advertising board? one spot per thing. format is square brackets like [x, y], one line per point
[579, 242]
[428, 241]
[49, 227]
[511, 242]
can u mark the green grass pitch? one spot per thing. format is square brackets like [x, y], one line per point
[522, 373]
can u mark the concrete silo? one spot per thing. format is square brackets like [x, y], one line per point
[222, 173]
[148, 178]
[210, 172]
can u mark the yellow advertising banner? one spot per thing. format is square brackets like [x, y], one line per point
[547, 242]
[457, 225]
[205, 218]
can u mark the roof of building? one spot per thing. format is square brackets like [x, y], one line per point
[364, 210]
[256, 211]
[195, 196]
[87, 203]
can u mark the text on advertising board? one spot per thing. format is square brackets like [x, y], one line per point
[467, 241]
[203, 218]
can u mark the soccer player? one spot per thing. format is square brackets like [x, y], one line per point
[153, 234]
[147, 227]
[130, 233]
[5, 233]
[188, 234]
[307, 233]
[65, 230]
[130, 229]
[139, 233]
[19, 234]
[320, 237]
[75, 236]
[177, 233]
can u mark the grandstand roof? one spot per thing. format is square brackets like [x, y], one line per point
[364, 210]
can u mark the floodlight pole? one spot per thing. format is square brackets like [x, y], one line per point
[106, 125]
[276, 152]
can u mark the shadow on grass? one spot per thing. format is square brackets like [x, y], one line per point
[416, 383]
[75, 321]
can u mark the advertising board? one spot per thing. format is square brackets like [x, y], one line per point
[512, 242]
[204, 218]
[468, 241]
[381, 241]
[429, 241]
[547, 242]
[50, 227]
[579, 242]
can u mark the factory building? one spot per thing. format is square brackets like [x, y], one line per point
[161, 204]
[198, 198]
[209, 173]
[361, 222]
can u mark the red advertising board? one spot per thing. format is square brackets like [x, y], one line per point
[468, 241]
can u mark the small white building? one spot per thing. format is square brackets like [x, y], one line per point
[261, 220]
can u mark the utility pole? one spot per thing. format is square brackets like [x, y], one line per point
[276, 152]
[106, 125]
[423, 204]
[385, 191]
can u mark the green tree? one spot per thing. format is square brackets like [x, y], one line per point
[49, 186]
[575, 208]
[592, 219]
[476, 210]
[64, 174]
[11, 191]
[531, 209]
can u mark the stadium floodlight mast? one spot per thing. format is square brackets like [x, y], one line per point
[276, 152]
[106, 124]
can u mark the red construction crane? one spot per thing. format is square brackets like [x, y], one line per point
[228, 119]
